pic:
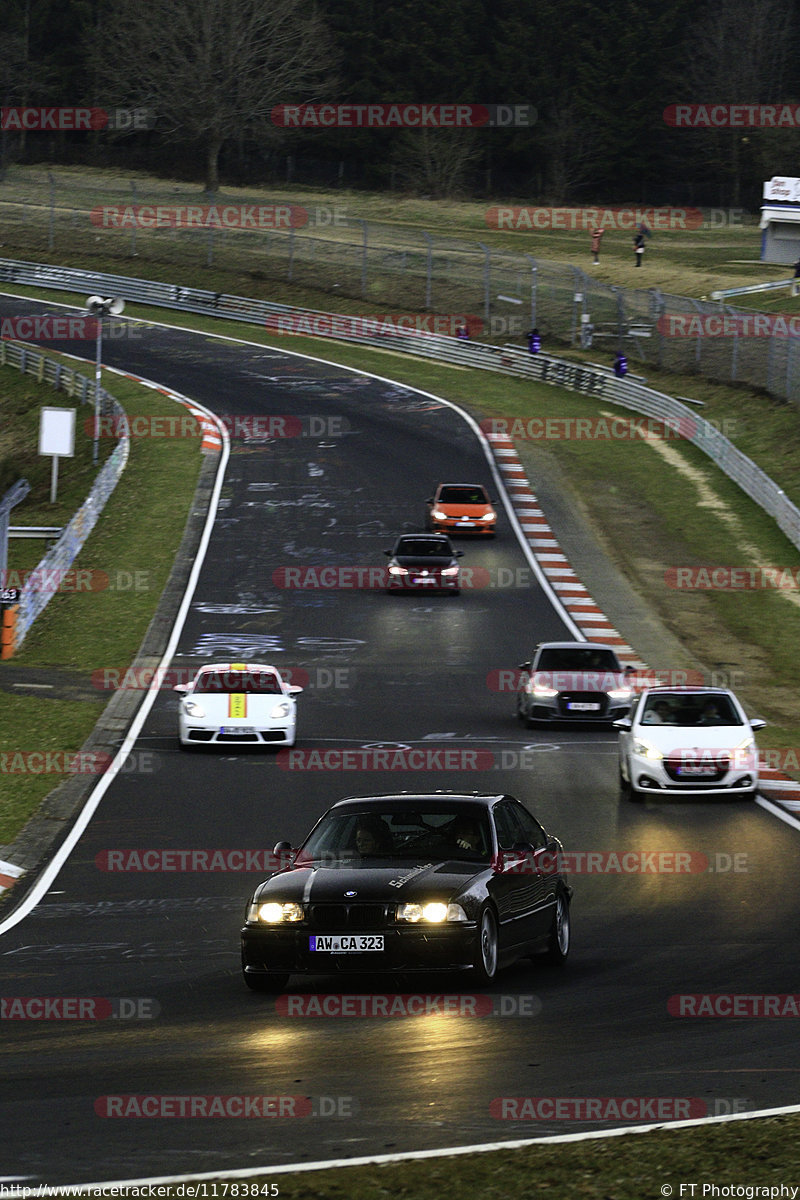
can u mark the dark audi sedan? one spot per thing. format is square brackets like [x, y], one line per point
[423, 562]
[399, 883]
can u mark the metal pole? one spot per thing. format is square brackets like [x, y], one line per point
[428, 269]
[534, 280]
[487, 258]
[97, 372]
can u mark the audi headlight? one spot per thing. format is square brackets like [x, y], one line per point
[544, 693]
[275, 912]
[622, 693]
[435, 912]
[647, 750]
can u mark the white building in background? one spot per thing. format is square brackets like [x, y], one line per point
[780, 220]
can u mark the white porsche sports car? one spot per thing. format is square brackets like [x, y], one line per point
[244, 704]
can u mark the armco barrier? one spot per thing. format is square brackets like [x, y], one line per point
[43, 582]
[591, 381]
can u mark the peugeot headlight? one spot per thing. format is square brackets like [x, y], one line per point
[275, 912]
[647, 750]
[435, 912]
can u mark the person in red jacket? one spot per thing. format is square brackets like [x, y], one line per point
[596, 236]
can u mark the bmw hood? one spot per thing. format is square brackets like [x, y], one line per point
[408, 881]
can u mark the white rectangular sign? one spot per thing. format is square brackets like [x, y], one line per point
[782, 189]
[57, 432]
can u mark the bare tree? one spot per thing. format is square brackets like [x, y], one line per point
[436, 161]
[213, 69]
[738, 53]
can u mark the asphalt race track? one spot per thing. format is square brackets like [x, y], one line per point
[417, 671]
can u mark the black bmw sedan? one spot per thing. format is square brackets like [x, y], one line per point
[398, 883]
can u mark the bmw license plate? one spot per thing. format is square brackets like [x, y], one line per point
[346, 943]
[582, 706]
[423, 579]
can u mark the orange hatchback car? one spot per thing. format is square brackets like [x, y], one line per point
[461, 508]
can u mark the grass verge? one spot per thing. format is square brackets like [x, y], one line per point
[99, 617]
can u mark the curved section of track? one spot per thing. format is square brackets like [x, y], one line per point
[381, 670]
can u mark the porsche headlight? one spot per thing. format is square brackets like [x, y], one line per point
[647, 750]
[435, 912]
[281, 710]
[193, 709]
[275, 912]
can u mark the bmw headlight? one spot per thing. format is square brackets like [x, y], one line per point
[275, 912]
[193, 709]
[450, 571]
[436, 912]
[647, 750]
[394, 569]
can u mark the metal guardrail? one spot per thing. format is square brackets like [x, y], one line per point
[543, 368]
[44, 580]
[752, 289]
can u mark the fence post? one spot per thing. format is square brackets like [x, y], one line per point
[428, 269]
[487, 303]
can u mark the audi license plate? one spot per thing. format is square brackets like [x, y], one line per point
[346, 943]
[581, 706]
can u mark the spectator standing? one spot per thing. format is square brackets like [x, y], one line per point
[620, 366]
[638, 247]
[534, 341]
[462, 332]
[596, 238]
